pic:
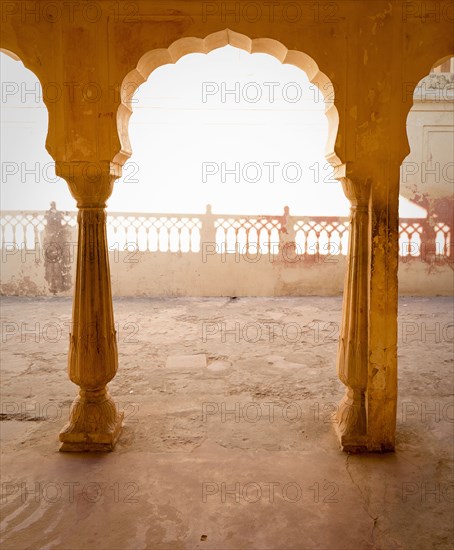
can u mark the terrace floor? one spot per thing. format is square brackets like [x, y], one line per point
[228, 441]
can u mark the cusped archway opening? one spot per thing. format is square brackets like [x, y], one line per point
[35, 239]
[427, 174]
[156, 58]
[179, 143]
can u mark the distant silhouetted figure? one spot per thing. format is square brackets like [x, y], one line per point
[57, 251]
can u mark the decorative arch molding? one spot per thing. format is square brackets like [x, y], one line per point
[441, 61]
[11, 54]
[423, 71]
[409, 192]
[184, 46]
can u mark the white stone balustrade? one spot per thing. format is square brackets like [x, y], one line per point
[243, 234]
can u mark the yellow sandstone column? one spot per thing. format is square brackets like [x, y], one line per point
[94, 422]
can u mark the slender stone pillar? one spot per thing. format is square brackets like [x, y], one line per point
[352, 358]
[94, 422]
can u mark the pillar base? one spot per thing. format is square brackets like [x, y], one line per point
[80, 442]
[351, 443]
[94, 424]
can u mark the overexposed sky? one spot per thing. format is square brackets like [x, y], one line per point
[239, 131]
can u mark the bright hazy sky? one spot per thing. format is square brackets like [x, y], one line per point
[179, 137]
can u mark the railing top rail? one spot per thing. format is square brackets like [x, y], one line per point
[23, 212]
[153, 215]
[177, 215]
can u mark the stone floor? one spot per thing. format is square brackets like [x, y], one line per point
[228, 441]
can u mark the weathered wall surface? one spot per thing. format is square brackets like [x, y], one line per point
[187, 274]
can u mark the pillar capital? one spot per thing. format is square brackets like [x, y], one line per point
[357, 192]
[90, 182]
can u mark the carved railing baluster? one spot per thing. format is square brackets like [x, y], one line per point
[17, 228]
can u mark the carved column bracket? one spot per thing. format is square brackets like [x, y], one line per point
[352, 358]
[94, 422]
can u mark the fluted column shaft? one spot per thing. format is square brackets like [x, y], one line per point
[94, 422]
[352, 358]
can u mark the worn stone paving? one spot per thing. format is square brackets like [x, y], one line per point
[228, 440]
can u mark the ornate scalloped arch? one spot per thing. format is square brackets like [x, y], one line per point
[184, 46]
[423, 72]
[11, 54]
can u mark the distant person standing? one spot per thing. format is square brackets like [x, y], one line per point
[57, 255]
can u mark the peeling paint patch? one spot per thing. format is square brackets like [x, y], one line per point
[380, 18]
[23, 286]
